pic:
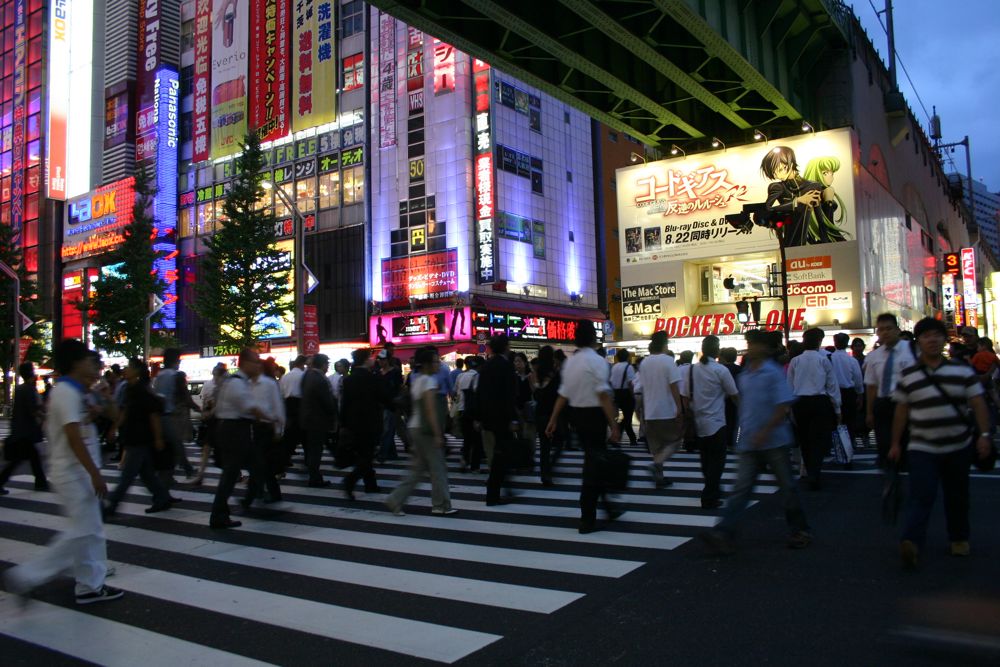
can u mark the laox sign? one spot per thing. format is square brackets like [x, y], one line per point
[724, 324]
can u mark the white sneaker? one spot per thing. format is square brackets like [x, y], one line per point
[105, 594]
[450, 510]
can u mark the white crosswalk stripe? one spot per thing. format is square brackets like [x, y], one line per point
[347, 578]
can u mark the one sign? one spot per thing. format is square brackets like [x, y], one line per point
[675, 209]
[430, 276]
[94, 221]
[310, 330]
[724, 324]
[969, 289]
[953, 263]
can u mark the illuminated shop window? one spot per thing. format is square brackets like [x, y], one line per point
[205, 222]
[220, 215]
[728, 282]
[184, 217]
[354, 185]
[354, 71]
[280, 210]
[329, 190]
[305, 194]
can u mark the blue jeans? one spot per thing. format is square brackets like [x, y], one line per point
[926, 471]
[750, 465]
[387, 450]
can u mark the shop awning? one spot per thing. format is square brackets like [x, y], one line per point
[540, 309]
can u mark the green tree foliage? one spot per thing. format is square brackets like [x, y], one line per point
[242, 287]
[120, 303]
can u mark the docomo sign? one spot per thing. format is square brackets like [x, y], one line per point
[724, 324]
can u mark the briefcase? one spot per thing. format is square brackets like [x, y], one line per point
[614, 465]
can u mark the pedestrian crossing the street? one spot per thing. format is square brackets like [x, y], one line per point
[320, 576]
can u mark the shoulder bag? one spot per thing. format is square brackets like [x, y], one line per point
[983, 464]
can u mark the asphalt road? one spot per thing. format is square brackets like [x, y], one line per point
[322, 580]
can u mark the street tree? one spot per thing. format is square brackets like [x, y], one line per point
[120, 302]
[12, 255]
[243, 284]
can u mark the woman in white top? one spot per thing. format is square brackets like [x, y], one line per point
[426, 429]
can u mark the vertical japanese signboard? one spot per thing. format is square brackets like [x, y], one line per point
[415, 70]
[201, 120]
[444, 67]
[483, 165]
[17, 131]
[230, 40]
[314, 64]
[59, 32]
[269, 69]
[149, 49]
[166, 105]
[386, 80]
[969, 291]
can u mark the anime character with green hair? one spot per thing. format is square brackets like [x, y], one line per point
[825, 221]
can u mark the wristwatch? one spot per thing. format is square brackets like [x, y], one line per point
[985, 435]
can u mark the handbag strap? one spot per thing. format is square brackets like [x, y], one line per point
[624, 376]
[948, 397]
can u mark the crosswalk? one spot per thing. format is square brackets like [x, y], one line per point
[319, 576]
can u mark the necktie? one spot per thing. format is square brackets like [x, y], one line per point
[887, 373]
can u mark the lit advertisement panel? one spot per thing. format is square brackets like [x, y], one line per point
[94, 221]
[444, 67]
[79, 123]
[148, 43]
[116, 118]
[17, 132]
[969, 290]
[419, 327]
[386, 80]
[60, 27]
[484, 180]
[230, 40]
[166, 103]
[269, 69]
[200, 116]
[430, 276]
[314, 84]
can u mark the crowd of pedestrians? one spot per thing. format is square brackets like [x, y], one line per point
[932, 415]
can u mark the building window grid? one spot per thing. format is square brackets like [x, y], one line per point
[352, 18]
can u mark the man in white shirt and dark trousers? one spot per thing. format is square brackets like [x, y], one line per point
[622, 376]
[883, 367]
[291, 393]
[586, 391]
[266, 442]
[235, 415]
[817, 406]
[848, 374]
[661, 400]
[705, 386]
[75, 476]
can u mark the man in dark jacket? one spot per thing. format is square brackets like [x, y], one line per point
[498, 414]
[363, 400]
[25, 431]
[318, 415]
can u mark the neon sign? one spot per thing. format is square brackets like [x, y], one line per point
[969, 287]
[419, 327]
[444, 67]
[165, 121]
[483, 153]
[94, 221]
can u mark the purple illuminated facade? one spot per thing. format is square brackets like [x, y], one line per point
[476, 164]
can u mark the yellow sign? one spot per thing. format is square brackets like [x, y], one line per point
[314, 64]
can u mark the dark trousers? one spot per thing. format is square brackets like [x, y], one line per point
[712, 452]
[472, 442]
[751, 464]
[292, 436]
[498, 466]
[626, 403]
[591, 427]
[849, 410]
[314, 444]
[139, 463]
[884, 410]
[233, 438]
[732, 423]
[364, 453]
[926, 472]
[30, 454]
[262, 451]
[549, 449]
[814, 422]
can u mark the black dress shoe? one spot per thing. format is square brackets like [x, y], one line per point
[322, 484]
[711, 505]
[587, 527]
[225, 523]
[375, 489]
[175, 500]
[349, 492]
[153, 509]
[494, 503]
[615, 512]
[43, 486]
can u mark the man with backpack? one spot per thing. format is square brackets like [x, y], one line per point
[166, 386]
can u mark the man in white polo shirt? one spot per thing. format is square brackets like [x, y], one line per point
[661, 402]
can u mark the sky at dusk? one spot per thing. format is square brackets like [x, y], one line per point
[951, 52]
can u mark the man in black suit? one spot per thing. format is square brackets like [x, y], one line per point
[318, 415]
[363, 399]
[497, 394]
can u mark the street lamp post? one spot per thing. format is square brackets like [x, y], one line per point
[299, 243]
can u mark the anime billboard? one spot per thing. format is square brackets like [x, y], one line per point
[676, 209]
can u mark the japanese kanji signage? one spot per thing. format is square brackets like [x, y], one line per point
[314, 64]
[482, 151]
[529, 326]
[230, 40]
[970, 292]
[386, 80]
[269, 69]
[444, 67]
[17, 132]
[201, 81]
[430, 276]
[675, 209]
